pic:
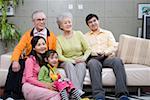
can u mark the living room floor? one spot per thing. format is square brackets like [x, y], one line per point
[132, 97]
[110, 95]
[145, 94]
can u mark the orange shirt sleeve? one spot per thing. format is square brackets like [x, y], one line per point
[20, 47]
[52, 41]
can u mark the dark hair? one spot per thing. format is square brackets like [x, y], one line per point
[34, 41]
[88, 17]
[50, 52]
[47, 54]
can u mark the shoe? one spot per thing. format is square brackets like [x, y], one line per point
[81, 92]
[99, 98]
[9, 98]
[124, 97]
[1, 99]
[85, 99]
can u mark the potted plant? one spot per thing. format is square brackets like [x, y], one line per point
[9, 33]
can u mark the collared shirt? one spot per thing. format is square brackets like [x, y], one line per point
[42, 33]
[102, 41]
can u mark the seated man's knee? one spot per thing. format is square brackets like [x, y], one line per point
[93, 62]
[117, 60]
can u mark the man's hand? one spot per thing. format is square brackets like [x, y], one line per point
[108, 53]
[102, 53]
[112, 55]
[15, 66]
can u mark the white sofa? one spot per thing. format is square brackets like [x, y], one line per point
[135, 53]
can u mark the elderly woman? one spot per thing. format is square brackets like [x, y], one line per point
[72, 49]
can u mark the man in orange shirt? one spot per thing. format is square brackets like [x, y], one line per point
[14, 78]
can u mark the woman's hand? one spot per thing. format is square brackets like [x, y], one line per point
[79, 60]
[50, 86]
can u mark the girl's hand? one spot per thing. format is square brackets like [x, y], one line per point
[50, 86]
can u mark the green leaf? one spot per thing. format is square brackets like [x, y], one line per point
[8, 31]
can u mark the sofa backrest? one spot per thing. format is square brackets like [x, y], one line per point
[134, 50]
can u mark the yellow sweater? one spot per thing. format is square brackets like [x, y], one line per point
[73, 48]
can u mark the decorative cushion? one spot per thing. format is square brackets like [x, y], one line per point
[134, 50]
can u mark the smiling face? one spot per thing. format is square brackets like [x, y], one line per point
[39, 20]
[53, 59]
[93, 24]
[41, 46]
[66, 24]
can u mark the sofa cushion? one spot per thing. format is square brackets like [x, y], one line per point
[3, 76]
[134, 50]
[137, 75]
[108, 77]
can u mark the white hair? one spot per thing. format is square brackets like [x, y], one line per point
[62, 16]
[34, 14]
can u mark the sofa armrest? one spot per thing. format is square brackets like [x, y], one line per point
[5, 60]
[3, 76]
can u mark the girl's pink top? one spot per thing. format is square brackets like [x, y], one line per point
[31, 71]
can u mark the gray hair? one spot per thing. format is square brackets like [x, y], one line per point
[36, 12]
[62, 16]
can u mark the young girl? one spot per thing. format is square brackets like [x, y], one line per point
[49, 73]
[32, 88]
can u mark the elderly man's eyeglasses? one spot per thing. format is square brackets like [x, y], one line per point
[43, 19]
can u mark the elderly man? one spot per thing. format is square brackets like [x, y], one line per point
[102, 43]
[13, 83]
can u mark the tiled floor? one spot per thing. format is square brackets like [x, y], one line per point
[143, 97]
[110, 96]
[133, 97]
